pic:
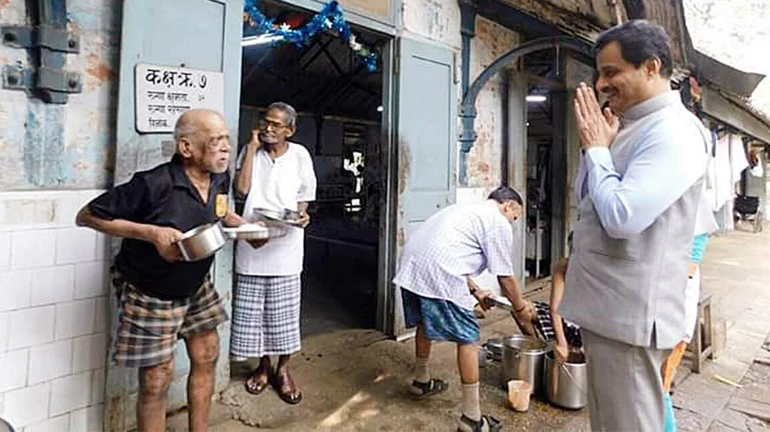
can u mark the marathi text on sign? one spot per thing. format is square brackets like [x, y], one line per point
[165, 93]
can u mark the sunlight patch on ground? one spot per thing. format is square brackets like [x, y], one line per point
[352, 407]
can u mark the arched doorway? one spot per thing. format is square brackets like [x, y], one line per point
[537, 142]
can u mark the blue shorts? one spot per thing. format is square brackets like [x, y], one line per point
[441, 319]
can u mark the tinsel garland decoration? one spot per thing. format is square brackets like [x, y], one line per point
[330, 18]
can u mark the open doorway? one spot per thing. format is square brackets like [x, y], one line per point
[546, 163]
[340, 107]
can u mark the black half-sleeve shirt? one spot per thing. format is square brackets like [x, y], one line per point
[162, 196]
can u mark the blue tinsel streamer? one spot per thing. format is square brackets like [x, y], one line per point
[330, 18]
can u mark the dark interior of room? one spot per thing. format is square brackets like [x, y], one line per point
[339, 103]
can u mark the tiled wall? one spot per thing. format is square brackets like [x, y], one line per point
[53, 313]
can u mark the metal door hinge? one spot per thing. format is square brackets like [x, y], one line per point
[48, 43]
[41, 36]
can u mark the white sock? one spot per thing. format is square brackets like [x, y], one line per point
[421, 370]
[471, 408]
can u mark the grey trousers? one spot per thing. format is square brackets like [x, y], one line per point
[625, 391]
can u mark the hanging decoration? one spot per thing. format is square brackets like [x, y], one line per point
[330, 18]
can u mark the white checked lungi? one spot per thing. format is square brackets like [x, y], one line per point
[266, 312]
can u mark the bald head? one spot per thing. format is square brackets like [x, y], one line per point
[192, 121]
[202, 139]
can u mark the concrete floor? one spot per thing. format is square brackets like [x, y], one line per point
[356, 380]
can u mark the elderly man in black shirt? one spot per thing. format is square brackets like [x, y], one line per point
[161, 297]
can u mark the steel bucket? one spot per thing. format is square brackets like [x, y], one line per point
[566, 384]
[523, 360]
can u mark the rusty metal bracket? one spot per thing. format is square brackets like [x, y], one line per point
[48, 43]
[18, 36]
[18, 78]
[41, 36]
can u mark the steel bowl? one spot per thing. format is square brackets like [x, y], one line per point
[202, 242]
[249, 232]
[285, 216]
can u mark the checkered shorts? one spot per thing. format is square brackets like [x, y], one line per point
[266, 315]
[149, 327]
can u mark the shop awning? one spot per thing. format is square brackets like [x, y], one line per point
[729, 111]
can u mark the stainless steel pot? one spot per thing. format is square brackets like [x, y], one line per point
[484, 357]
[523, 360]
[202, 242]
[495, 347]
[566, 384]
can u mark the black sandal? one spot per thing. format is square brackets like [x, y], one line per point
[493, 424]
[422, 390]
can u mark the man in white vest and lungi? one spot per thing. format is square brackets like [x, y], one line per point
[638, 188]
[277, 175]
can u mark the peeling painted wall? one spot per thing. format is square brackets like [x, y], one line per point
[437, 20]
[44, 146]
[485, 158]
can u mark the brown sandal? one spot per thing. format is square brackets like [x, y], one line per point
[254, 384]
[286, 389]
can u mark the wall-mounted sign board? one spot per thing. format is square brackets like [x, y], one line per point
[163, 93]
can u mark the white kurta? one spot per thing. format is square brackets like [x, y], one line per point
[277, 185]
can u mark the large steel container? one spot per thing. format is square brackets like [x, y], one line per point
[523, 360]
[566, 384]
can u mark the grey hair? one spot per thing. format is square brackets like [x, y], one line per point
[289, 110]
[183, 129]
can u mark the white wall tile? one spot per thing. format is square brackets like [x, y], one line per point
[5, 251]
[87, 419]
[33, 249]
[75, 319]
[4, 331]
[50, 361]
[102, 315]
[87, 195]
[41, 209]
[13, 366]
[102, 247]
[71, 393]
[67, 208]
[53, 285]
[90, 279]
[31, 327]
[90, 352]
[45, 211]
[28, 405]
[19, 211]
[97, 386]
[56, 424]
[15, 289]
[75, 245]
